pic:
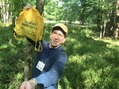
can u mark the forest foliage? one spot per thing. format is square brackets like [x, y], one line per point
[92, 62]
[99, 12]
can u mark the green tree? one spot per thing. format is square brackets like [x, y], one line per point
[89, 11]
[116, 32]
[40, 6]
[52, 10]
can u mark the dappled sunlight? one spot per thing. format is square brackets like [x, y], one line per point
[110, 42]
[3, 46]
[92, 63]
[7, 44]
[91, 69]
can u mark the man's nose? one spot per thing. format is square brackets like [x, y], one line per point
[56, 36]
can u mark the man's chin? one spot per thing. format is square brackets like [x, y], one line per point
[54, 46]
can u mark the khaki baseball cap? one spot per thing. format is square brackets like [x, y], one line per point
[62, 26]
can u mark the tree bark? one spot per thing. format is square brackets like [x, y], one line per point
[40, 6]
[30, 50]
[116, 32]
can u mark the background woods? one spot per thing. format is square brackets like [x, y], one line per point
[91, 46]
[99, 12]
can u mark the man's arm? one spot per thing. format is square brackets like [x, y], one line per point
[52, 76]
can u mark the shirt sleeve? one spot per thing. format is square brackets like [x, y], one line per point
[52, 76]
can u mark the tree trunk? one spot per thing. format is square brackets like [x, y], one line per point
[99, 24]
[102, 30]
[30, 50]
[110, 24]
[40, 6]
[116, 32]
[13, 22]
[29, 57]
[4, 11]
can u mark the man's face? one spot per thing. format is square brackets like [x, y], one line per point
[57, 38]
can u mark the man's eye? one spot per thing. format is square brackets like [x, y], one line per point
[54, 33]
[61, 35]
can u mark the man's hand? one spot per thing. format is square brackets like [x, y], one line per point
[28, 85]
[27, 7]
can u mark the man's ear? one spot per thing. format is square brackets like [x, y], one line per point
[50, 36]
[64, 40]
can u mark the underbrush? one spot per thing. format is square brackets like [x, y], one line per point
[92, 63]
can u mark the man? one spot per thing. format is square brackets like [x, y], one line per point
[50, 61]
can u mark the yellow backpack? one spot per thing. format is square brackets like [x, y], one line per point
[30, 24]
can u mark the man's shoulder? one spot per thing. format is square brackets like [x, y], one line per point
[45, 43]
[61, 51]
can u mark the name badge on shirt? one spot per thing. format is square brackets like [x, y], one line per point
[40, 66]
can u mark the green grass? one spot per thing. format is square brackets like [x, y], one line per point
[92, 63]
